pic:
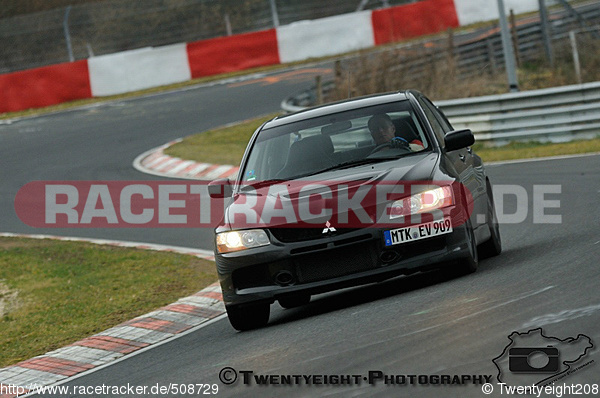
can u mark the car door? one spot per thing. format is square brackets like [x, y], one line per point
[467, 165]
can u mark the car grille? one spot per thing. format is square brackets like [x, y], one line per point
[288, 235]
[334, 263]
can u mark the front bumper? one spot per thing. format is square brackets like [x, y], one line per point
[337, 261]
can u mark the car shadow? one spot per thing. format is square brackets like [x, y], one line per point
[334, 301]
[330, 302]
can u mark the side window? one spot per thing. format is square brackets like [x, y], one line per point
[439, 116]
[435, 124]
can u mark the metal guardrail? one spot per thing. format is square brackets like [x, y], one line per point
[554, 114]
[525, 100]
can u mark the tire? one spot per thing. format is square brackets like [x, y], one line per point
[247, 317]
[469, 264]
[493, 246]
[294, 301]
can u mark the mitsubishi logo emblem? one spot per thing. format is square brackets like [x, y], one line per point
[328, 228]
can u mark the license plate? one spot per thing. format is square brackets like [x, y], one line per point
[417, 232]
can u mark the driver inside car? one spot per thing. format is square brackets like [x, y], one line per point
[383, 131]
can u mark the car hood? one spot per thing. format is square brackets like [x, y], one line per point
[275, 202]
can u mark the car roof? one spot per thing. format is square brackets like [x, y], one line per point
[340, 106]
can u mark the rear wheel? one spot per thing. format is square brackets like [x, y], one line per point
[493, 246]
[250, 316]
[294, 301]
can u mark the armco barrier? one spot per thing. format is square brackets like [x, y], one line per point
[553, 114]
[543, 98]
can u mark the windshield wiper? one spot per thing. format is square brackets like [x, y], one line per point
[357, 162]
[343, 165]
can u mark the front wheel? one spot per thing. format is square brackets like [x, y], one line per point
[469, 264]
[249, 316]
[493, 246]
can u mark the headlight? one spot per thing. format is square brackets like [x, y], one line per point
[422, 202]
[233, 241]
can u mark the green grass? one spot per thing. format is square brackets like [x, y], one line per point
[525, 150]
[55, 293]
[220, 146]
[226, 146]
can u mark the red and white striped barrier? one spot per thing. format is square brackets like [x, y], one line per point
[327, 36]
[151, 67]
[138, 69]
[233, 53]
[48, 85]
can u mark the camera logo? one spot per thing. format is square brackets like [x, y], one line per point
[528, 360]
[534, 358]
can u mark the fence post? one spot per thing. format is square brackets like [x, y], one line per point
[274, 13]
[450, 59]
[68, 34]
[575, 56]
[319, 84]
[338, 69]
[515, 37]
[546, 32]
[89, 50]
[228, 25]
[450, 43]
[361, 5]
[509, 56]
[491, 56]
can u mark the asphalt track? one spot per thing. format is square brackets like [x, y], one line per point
[426, 324]
[101, 142]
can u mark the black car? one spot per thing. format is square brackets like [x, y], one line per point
[346, 194]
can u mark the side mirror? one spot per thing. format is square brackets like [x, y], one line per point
[219, 189]
[458, 139]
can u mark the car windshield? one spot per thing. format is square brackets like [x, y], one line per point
[339, 140]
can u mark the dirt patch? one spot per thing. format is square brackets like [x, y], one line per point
[8, 299]
[9, 243]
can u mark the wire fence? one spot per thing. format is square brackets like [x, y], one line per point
[84, 30]
[439, 65]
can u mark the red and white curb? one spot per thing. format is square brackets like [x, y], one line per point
[156, 162]
[119, 341]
